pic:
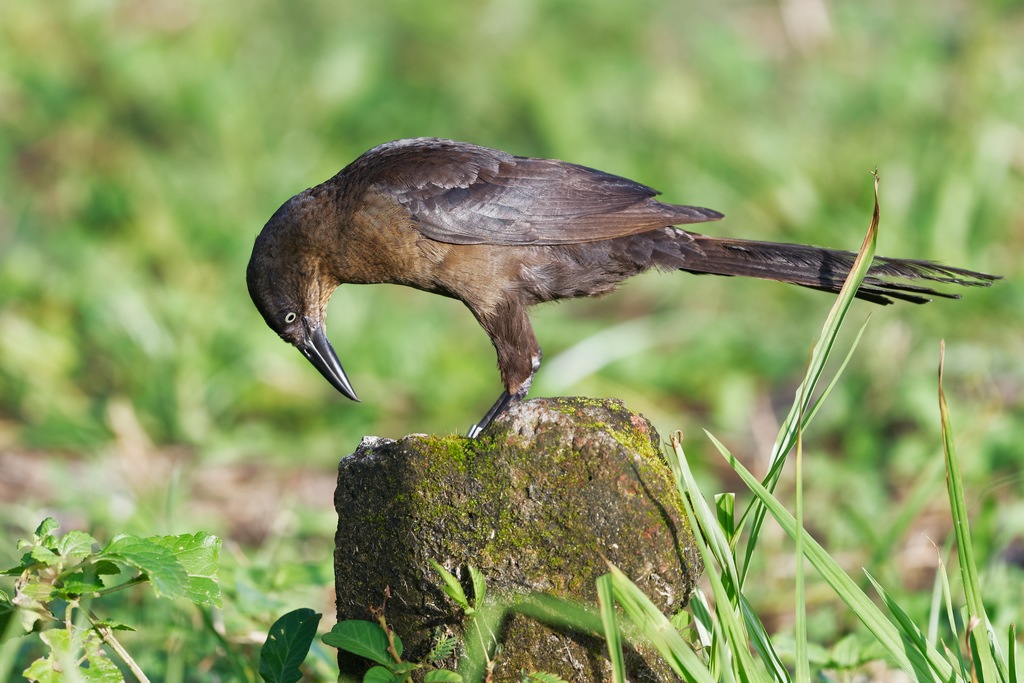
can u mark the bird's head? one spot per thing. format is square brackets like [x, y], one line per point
[291, 287]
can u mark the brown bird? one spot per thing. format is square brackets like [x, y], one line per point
[501, 233]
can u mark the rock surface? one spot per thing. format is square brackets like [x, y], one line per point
[537, 503]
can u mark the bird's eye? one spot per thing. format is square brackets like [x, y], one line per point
[289, 317]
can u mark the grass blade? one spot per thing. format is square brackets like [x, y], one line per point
[612, 636]
[819, 356]
[730, 623]
[898, 647]
[712, 534]
[654, 626]
[979, 637]
[762, 643]
[803, 670]
[908, 627]
[1011, 657]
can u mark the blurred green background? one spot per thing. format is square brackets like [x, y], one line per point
[144, 144]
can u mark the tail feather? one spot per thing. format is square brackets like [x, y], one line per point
[826, 269]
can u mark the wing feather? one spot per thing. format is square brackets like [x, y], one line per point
[465, 194]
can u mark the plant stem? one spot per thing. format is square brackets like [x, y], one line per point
[107, 635]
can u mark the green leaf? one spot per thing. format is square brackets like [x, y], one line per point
[479, 586]
[100, 669]
[34, 593]
[75, 546]
[43, 555]
[725, 507]
[480, 641]
[681, 620]
[363, 638]
[44, 532]
[379, 674]
[157, 562]
[287, 645]
[442, 676]
[544, 677]
[560, 613]
[452, 587]
[105, 568]
[400, 669]
[66, 652]
[41, 670]
[31, 609]
[80, 583]
[199, 555]
[112, 625]
[444, 647]
[7, 614]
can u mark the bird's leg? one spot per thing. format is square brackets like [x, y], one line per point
[518, 355]
[506, 400]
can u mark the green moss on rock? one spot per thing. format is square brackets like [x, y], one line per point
[536, 503]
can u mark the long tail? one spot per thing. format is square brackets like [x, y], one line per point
[826, 269]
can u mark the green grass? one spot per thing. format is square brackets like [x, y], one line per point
[143, 146]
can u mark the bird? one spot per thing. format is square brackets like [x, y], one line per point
[502, 233]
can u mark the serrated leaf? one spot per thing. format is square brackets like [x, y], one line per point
[75, 546]
[43, 555]
[80, 583]
[442, 676]
[44, 532]
[287, 645]
[65, 653]
[42, 671]
[100, 669]
[157, 562]
[113, 625]
[105, 568]
[31, 604]
[363, 638]
[452, 587]
[33, 593]
[379, 674]
[199, 556]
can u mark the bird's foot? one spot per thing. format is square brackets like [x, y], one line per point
[501, 405]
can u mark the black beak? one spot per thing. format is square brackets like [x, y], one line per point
[318, 350]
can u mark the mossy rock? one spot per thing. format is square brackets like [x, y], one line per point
[539, 502]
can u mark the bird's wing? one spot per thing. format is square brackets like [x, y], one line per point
[464, 194]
